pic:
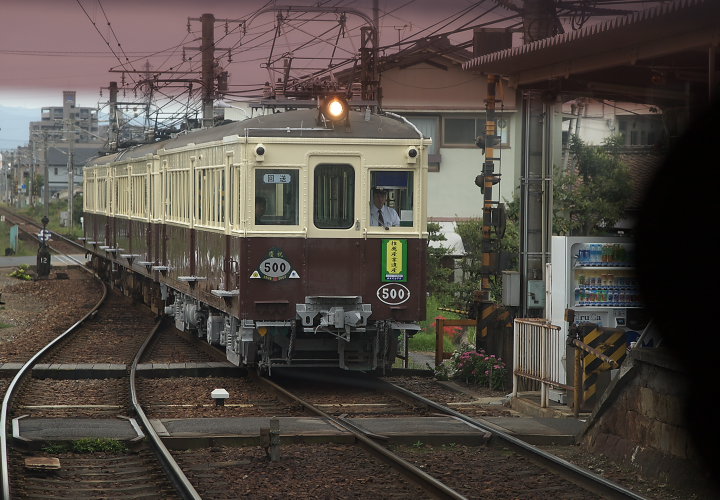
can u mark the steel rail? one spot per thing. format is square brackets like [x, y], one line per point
[170, 466]
[598, 484]
[56, 235]
[172, 469]
[38, 225]
[429, 483]
[15, 383]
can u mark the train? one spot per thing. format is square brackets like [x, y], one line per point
[261, 236]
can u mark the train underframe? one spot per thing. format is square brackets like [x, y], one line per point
[327, 331]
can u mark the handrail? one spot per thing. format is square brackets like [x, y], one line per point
[538, 348]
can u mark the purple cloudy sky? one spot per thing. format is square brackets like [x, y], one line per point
[47, 46]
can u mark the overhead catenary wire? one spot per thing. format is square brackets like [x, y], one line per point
[245, 40]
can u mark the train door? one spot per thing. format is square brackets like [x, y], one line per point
[333, 211]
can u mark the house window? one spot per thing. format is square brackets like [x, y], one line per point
[640, 130]
[463, 131]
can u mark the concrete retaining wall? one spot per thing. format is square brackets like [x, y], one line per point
[641, 420]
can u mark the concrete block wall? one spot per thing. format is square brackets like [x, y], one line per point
[641, 420]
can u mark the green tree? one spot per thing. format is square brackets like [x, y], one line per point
[38, 183]
[590, 196]
[507, 249]
[439, 276]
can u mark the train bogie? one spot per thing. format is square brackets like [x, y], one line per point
[263, 235]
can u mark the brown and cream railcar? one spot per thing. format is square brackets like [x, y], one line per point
[257, 236]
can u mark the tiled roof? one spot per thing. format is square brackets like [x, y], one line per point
[627, 24]
[642, 163]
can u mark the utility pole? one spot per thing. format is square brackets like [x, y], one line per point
[46, 174]
[71, 180]
[31, 184]
[69, 133]
[207, 50]
[210, 68]
[114, 132]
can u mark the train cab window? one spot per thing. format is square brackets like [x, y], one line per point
[276, 197]
[391, 198]
[334, 190]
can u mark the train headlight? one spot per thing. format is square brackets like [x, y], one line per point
[259, 152]
[334, 108]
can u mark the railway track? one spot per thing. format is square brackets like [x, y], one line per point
[183, 397]
[113, 331]
[500, 455]
[29, 229]
[240, 463]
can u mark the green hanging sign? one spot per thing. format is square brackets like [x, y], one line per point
[394, 261]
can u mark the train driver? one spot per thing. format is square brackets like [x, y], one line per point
[380, 213]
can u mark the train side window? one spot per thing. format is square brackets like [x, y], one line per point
[398, 186]
[334, 190]
[276, 197]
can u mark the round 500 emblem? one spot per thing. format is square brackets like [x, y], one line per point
[275, 267]
[393, 294]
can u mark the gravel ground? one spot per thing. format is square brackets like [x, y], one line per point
[325, 471]
[35, 312]
[98, 398]
[190, 398]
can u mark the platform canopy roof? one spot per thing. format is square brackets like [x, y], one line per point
[663, 55]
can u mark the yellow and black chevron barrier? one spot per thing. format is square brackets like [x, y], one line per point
[604, 349]
[493, 316]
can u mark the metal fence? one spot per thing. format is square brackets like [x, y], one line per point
[539, 351]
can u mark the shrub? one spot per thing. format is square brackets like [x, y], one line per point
[474, 367]
[21, 273]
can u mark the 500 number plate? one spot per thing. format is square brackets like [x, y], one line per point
[393, 294]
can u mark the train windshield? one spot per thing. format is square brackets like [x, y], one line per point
[334, 196]
[276, 196]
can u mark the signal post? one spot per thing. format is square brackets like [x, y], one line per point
[493, 218]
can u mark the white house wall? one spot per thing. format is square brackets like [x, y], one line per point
[599, 119]
[428, 90]
[452, 192]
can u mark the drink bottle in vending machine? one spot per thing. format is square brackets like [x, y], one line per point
[595, 278]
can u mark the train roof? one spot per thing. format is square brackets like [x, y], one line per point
[295, 124]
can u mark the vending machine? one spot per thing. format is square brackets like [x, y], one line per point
[595, 278]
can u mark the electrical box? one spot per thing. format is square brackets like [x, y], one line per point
[536, 293]
[511, 288]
